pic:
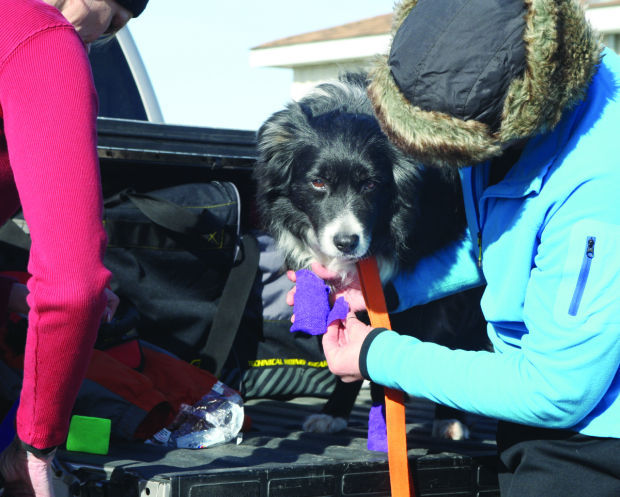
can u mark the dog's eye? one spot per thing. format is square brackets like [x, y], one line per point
[369, 186]
[319, 184]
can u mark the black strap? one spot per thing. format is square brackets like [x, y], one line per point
[230, 308]
[167, 214]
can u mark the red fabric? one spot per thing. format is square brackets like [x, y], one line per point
[128, 353]
[179, 381]
[19, 276]
[164, 384]
[49, 164]
[160, 388]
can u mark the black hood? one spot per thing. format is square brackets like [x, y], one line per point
[464, 78]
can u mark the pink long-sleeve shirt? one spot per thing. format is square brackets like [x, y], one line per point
[49, 165]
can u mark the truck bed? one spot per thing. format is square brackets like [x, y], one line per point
[276, 458]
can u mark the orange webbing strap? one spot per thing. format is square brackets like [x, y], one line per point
[400, 477]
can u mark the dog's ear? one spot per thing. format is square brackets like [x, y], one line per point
[279, 141]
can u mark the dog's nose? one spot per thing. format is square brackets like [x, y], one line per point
[346, 243]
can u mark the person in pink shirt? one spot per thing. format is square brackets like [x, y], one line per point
[49, 167]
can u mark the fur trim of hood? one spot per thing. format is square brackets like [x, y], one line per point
[562, 54]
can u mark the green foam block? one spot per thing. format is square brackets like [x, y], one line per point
[88, 434]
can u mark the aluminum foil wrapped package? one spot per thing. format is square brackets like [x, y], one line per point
[214, 420]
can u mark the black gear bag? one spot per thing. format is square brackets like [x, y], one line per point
[177, 255]
[203, 291]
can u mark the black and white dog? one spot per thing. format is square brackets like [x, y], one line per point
[331, 188]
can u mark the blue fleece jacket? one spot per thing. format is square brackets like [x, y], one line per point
[550, 240]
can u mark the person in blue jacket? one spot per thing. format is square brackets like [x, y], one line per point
[520, 97]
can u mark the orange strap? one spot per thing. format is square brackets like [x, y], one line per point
[400, 477]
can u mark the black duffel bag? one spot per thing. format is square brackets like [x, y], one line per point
[203, 291]
[177, 256]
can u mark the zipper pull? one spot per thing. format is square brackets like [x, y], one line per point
[590, 247]
[479, 249]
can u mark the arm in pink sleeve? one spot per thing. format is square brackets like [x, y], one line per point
[50, 108]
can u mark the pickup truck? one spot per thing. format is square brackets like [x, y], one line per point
[275, 458]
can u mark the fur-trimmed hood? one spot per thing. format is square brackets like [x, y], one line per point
[466, 78]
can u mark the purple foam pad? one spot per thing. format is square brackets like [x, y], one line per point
[377, 429]
[312, 312]
[339, 311]
[311, 303]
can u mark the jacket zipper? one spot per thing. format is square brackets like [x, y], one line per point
[474, 192]
[583, 276]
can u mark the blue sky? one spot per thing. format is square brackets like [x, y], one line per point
[197, 53]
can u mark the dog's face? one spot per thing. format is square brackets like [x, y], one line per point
[327, 188]
[330, 186]
[341, 185]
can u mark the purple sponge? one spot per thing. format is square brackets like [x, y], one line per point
[312, 311]
[377, 429]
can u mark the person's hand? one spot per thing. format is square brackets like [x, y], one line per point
[111, 305]
[342, 344]
[350, 290]
[26, 475]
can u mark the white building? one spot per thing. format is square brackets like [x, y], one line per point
[320, 55]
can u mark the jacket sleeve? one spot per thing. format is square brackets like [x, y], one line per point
[569, 358]
[50, 108]
[450, 270]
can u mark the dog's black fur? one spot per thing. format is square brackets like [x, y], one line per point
[331, 188]
[325, 156]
